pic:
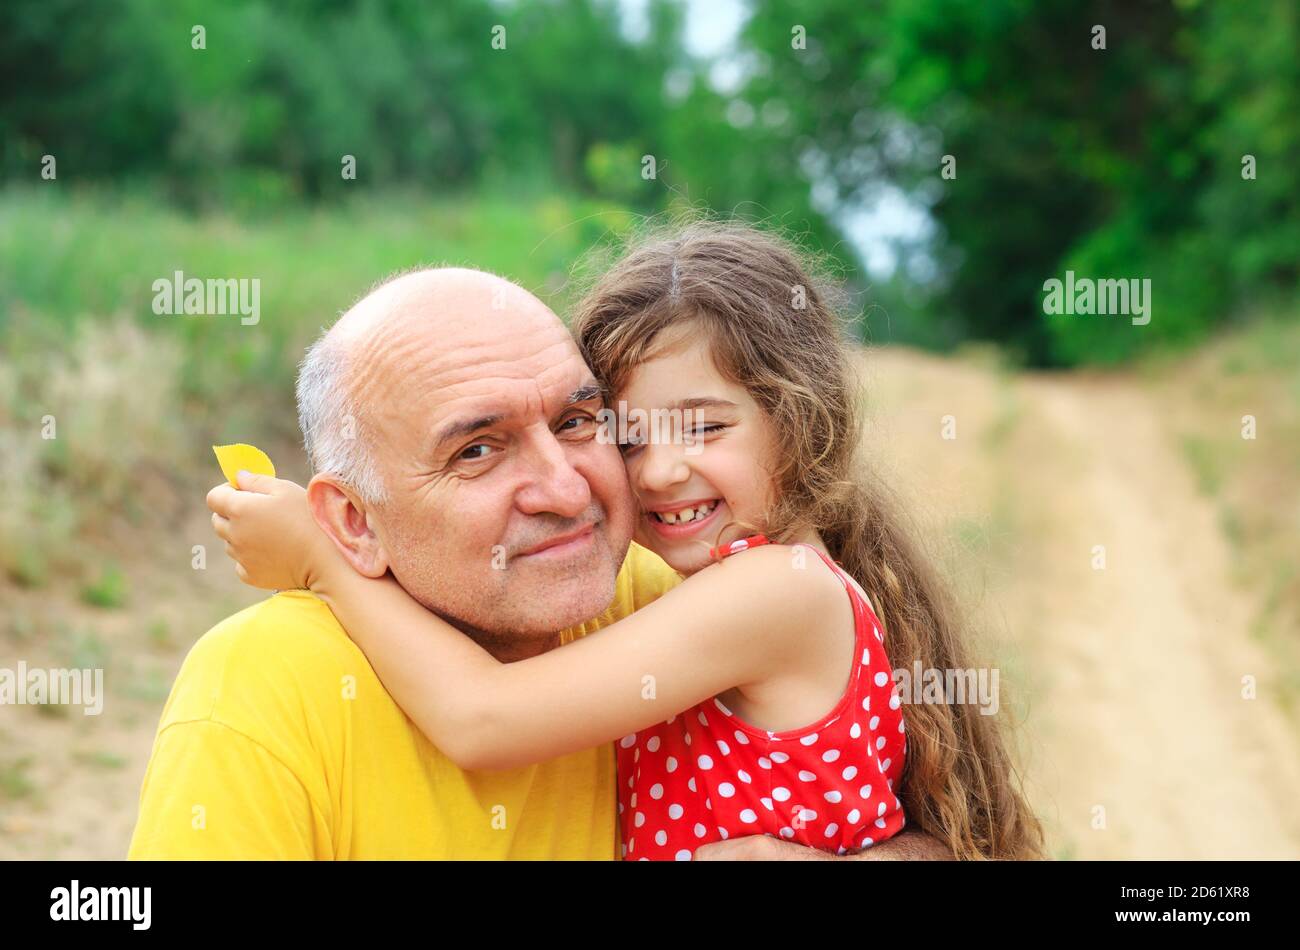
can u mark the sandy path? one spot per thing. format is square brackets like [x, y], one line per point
[1145, 659]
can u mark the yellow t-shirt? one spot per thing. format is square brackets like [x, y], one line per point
[279, 741]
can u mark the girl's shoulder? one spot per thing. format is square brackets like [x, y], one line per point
[773, 582]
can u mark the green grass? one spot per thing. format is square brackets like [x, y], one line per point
[14, 780]
[109, 589]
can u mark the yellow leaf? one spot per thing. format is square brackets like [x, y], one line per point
[249, 458]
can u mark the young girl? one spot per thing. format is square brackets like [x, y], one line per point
[757, 697]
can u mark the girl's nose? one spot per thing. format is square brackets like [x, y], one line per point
[662, 467]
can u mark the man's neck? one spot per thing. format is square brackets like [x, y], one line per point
[506, 647]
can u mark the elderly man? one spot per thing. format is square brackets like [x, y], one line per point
[278, 740]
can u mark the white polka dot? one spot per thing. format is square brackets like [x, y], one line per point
[620, 808]
[806, 776]
[787, 832]
[807, 814]
[767, 803]
[741, 737]
[726, 790]
[894, 701]
[831, 829]
[656, 791]
[704, 720]
[881, 809]
[808, 740]
[867, 843]
[723, 747]
[885, 765]
[631, 846]
[653, 744]
[687, 737]
[850, 773]
[866, 704]
[764, 762]
[636, 754]
[880, 742]
[682, 855]
[690, 783]
[717, 702]
[722, 833]
[625, 851]
[865, 791]
[674, 811]
[661, 838]
[866, 656]
[780, 757]
[705, 762]
[880, 822]
[748, 816]
[900, 725]
[639, 820]
[781, 793]
[830, 755]
[882, 678]
[634, 799]
[875, 721]
[708, 804]
[670, 764]
[744, 776]
[880, 636]
[853, 816]
[626, 741]
[833, 797]
[700, 830]
[855, 730]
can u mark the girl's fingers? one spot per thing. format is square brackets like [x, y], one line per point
[221, 498]
[261, 484]
[221, 525]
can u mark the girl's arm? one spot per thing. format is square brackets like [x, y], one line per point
[733, 624]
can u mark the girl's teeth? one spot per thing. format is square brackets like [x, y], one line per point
[686, 514]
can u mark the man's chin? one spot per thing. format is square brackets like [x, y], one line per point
[553, 597]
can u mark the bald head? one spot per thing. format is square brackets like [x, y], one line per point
[352, 374]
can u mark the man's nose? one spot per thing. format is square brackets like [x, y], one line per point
[661, 467]
[554, 486]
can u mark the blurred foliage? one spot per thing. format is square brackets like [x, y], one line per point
[1122, 162]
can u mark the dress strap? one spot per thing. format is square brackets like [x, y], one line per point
[735, 547]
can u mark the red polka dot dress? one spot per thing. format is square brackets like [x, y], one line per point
[706, 775]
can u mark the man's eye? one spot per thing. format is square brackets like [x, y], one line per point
[575, 423]
[472, 453]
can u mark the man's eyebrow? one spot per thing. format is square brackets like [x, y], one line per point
[585, 393]
[457, 430]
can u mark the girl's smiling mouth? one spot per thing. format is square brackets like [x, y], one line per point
[683, 519]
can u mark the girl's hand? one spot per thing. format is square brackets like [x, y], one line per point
[270, 533]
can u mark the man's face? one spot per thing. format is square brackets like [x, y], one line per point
[504, 511]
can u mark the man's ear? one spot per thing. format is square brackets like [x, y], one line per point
[343, 517]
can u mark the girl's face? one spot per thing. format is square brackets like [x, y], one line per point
[700, 469]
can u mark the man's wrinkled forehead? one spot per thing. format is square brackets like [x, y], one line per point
[445, 343]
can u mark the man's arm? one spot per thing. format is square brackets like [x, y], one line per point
[212, 793]
[908, 845]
